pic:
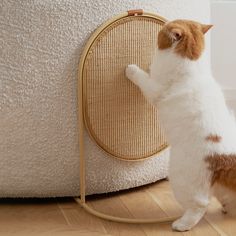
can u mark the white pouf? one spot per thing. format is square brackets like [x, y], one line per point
[40, 44]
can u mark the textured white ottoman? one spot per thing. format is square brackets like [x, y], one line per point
[40, 45]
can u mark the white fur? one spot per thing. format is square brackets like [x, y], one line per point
[191, 106]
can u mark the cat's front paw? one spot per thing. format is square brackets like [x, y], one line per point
[181, 225]
[131, 72]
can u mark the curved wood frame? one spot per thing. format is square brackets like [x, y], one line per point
[92, 42]
[82, 200]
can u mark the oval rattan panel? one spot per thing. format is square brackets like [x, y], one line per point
[116, 114]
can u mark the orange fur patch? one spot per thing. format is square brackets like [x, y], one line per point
[164, 41]
[188, 36]
[213, 138]
[223, 169]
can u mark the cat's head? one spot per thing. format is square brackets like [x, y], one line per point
[184, 36]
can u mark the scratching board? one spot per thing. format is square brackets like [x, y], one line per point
[115, 113]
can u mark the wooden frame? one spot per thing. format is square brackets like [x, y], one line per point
[82, 200]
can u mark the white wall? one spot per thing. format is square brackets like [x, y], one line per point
[223, 46]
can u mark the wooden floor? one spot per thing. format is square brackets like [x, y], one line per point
[63, 217]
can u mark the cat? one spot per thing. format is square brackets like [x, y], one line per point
[199, 127]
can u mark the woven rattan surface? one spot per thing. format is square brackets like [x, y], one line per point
[116, 114]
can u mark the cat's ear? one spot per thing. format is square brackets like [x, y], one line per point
[205, 28]
[176, 34]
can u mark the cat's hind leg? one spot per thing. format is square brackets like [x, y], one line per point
[193, 214]
[192, 190]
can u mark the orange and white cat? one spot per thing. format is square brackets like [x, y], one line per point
[197, 122]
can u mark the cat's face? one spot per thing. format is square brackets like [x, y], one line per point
[184, 36]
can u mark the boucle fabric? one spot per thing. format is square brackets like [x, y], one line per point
[40, 45]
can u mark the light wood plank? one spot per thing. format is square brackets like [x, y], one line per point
[68, 231]
[63, 231]
[76, 216]
[225, 224]
[113, 206]
[141, 205]
[64, 217]
[29, 217]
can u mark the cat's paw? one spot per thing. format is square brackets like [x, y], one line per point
[131, 71]
[181, 225]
